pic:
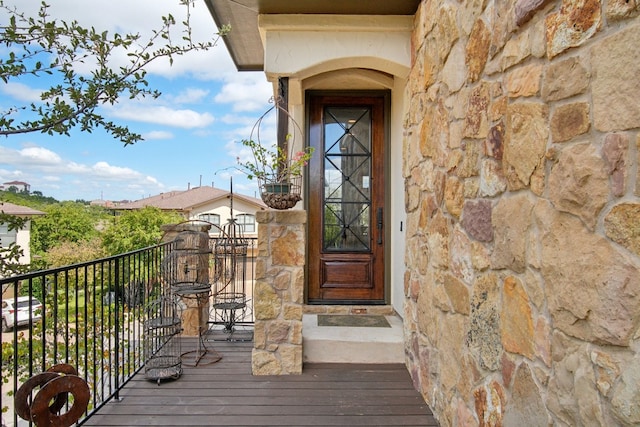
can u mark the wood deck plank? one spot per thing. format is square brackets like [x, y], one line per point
[280, 420]
[227, 394]
[272, 409]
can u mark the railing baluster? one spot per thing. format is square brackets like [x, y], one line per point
[30, 286]
[56, 313]
[66, 317]
[89, 296]
[15, 338]
[117, 329]
[94, 324]
[106, 331]
[110, 274]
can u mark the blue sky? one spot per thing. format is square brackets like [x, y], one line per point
[191, 132]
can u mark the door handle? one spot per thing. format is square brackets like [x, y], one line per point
[379, 217]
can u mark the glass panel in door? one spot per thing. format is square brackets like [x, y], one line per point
[347, 172]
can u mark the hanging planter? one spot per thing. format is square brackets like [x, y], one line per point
[281, 195]
[277, 168]
[277, 188]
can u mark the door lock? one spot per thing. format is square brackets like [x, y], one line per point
[379, 217]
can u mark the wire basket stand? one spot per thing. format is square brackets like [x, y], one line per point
[230, 300]
[162, 352]
[186, 273]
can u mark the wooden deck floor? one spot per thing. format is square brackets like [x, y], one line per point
[226, 394]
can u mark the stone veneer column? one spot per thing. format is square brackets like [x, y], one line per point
[278, 293]
[191, 251]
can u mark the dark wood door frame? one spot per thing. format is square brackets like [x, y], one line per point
[350, 276]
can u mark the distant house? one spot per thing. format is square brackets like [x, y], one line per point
[20, 237]
[19, 185]
[109, 204]
[207, 204]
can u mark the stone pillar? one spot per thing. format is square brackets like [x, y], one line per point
[188, 267]
[278, 293]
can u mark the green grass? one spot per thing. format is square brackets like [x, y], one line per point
[75, 305]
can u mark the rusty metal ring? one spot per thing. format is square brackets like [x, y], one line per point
[63, 368]
[75, 385]
[23, 395]
[62, 398]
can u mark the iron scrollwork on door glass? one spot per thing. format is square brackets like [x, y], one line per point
[347, 179]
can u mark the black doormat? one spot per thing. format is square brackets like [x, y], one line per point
[358, 320]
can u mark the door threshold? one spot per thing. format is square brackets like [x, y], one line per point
[383, 310]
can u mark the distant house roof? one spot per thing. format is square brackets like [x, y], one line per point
[16, 183]
[17, 210]
[185, 201]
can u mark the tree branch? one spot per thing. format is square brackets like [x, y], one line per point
[75, 99]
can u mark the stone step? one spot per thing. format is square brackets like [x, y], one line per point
[345, 344]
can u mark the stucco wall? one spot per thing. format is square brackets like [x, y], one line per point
[222, 208]
[349, 52]
[23, 238]
[521, 161]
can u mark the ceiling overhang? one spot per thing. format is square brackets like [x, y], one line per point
[244, 42]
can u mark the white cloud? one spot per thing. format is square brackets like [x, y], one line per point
[247, 93]
[151, 180]
[188, 96]
[77, 168]
[239, 119]
[157, 134]
[215, 64]
[35, 160]
[21, 92]
[186, 119]
[7, 175]
[40, 156]
[105, 170]
[47, 171]
[123, 16]
[30, 156]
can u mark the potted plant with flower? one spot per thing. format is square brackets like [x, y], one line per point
[277, 168]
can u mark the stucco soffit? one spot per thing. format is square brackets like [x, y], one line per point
[333, 23]
[301, 46]
[336, 22]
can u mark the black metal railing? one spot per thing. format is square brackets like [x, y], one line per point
[91, 318]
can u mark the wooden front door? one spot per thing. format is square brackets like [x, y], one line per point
[346, 199]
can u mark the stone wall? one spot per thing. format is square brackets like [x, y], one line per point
[279, 292]
[521, 163]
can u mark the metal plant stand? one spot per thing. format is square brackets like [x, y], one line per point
[197, 297]
[231, 307]
[230, 300]
[161, 340]
[186, 272]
